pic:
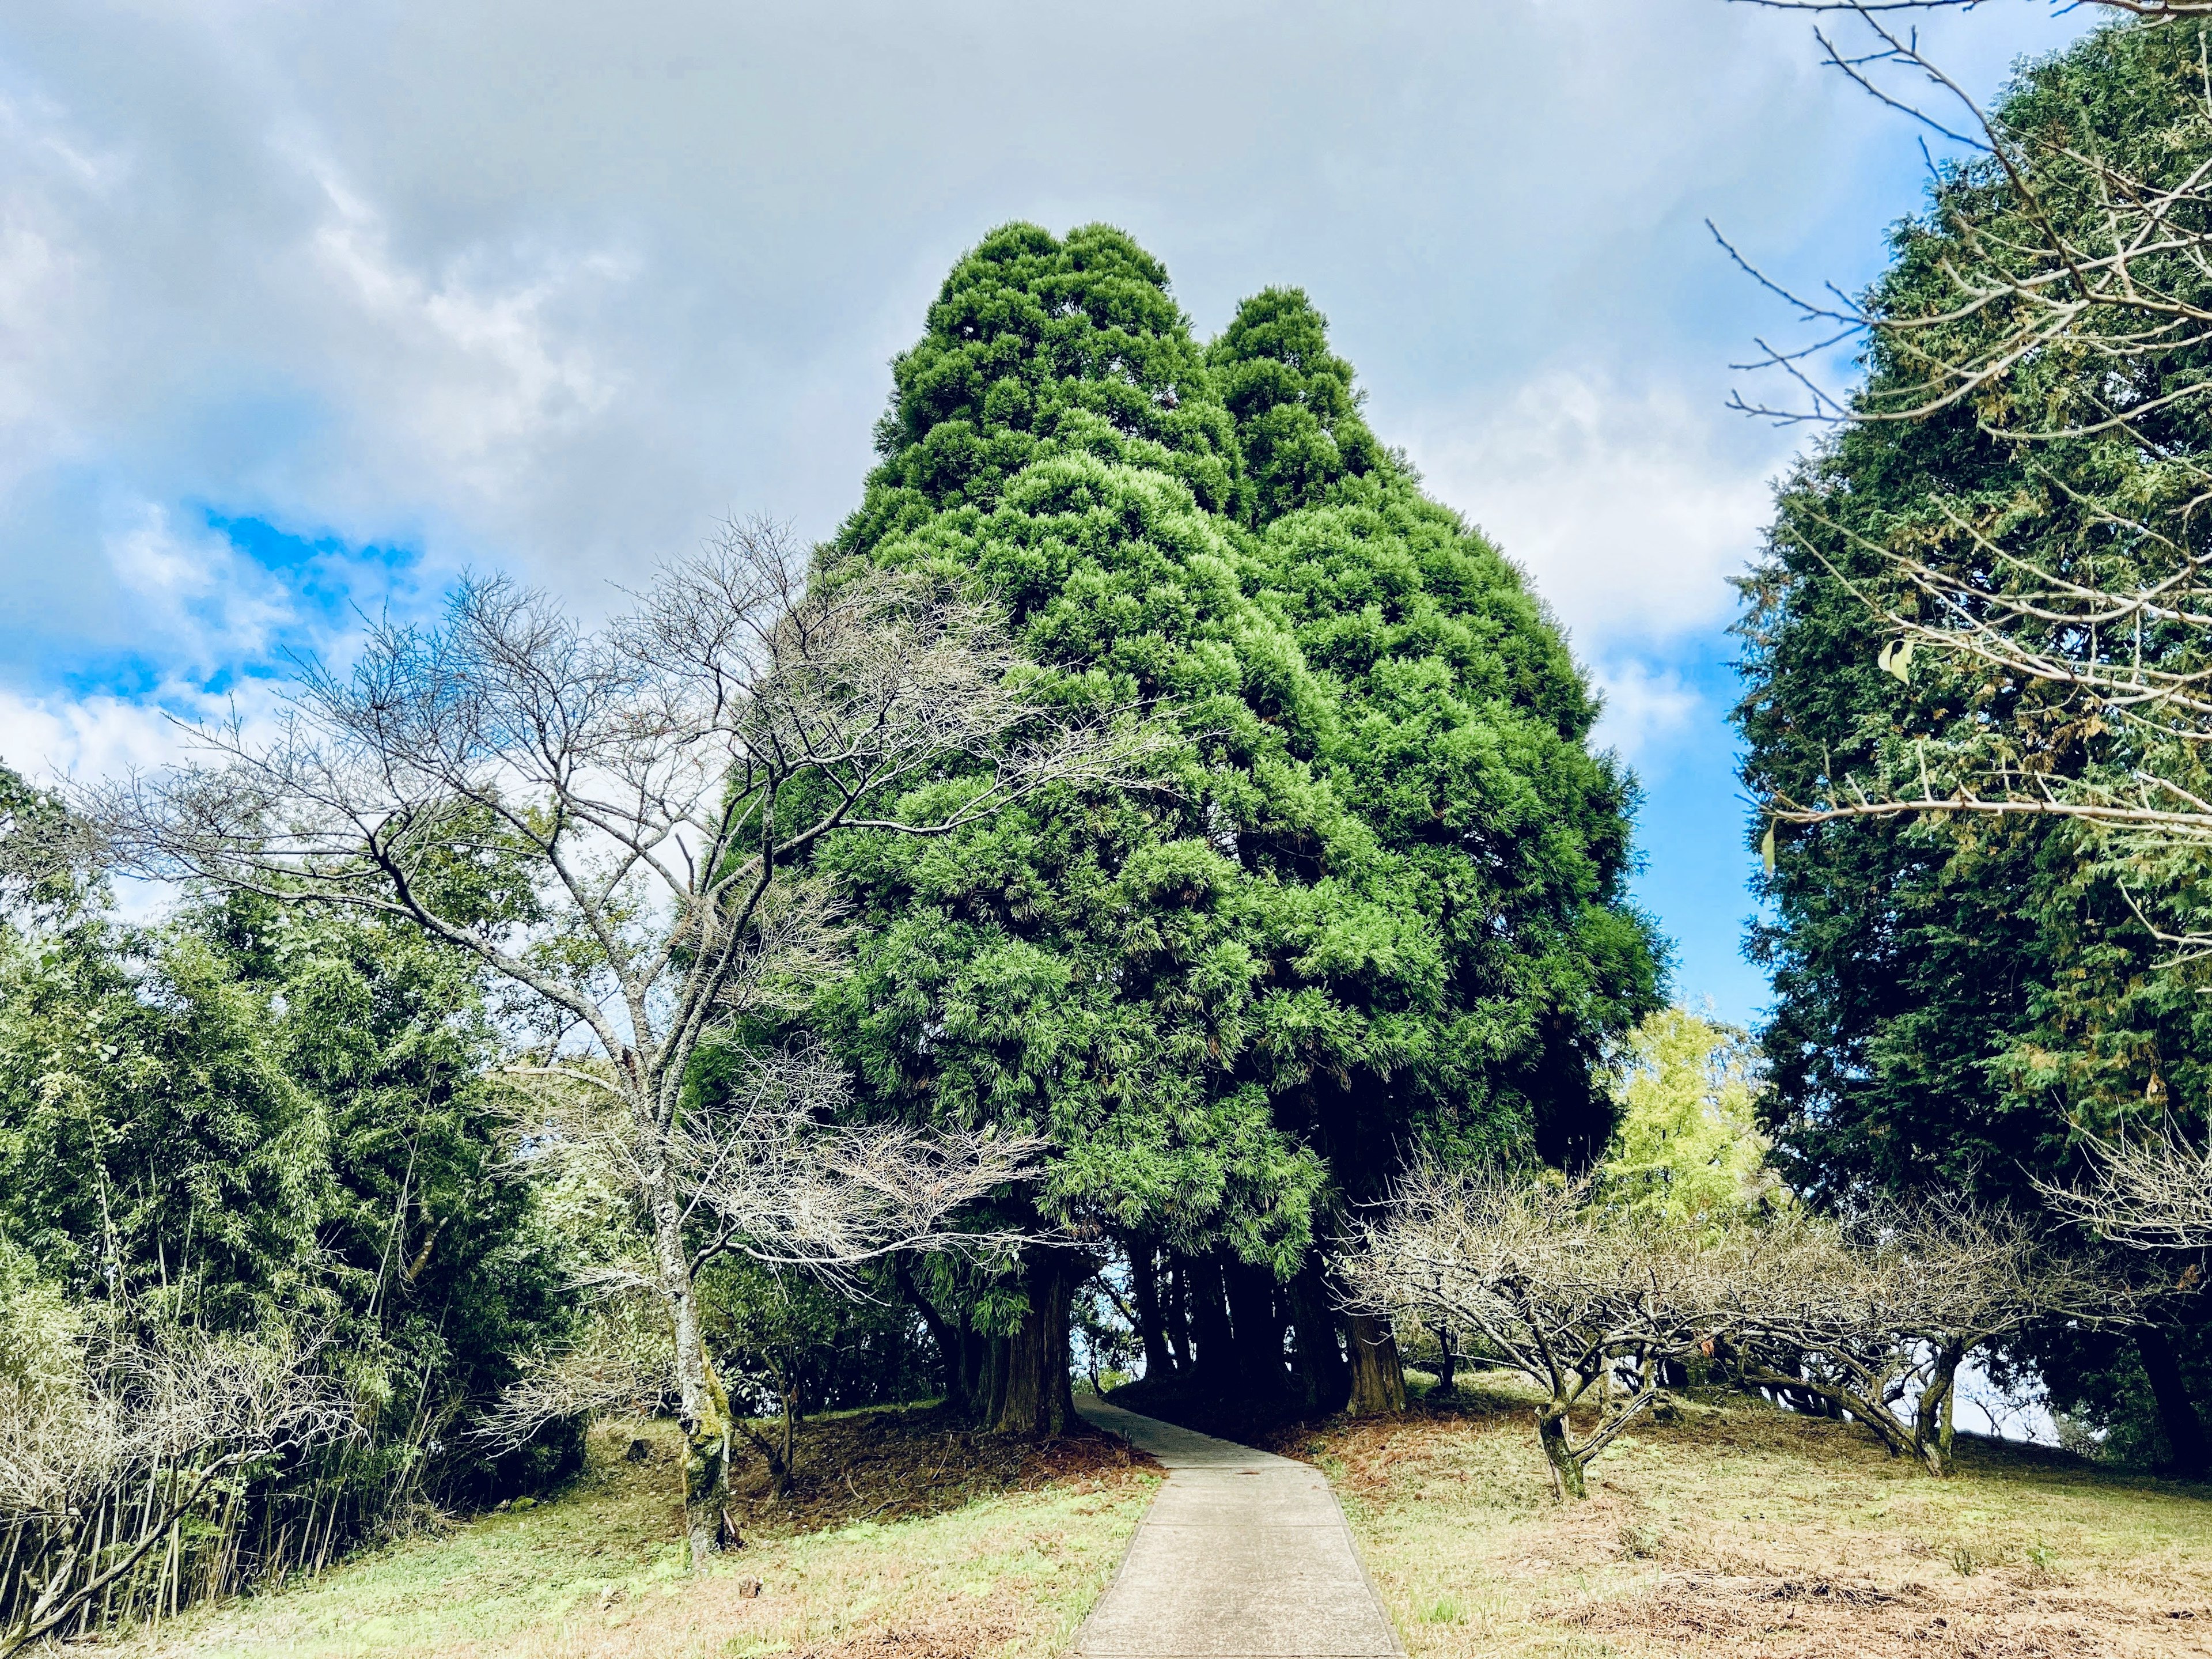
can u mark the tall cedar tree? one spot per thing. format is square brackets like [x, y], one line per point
[1372, 898]
[1957, 1002]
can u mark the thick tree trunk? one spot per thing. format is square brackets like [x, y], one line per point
[1258, 1327]
[1151, 1324]
[702, 1406]
[2177, 1413]
[987, 1374]
[1567, 1480]
[1209, 1320]
[1040, 1399]
[1378, 1377]
[1321, 1372]
[1935, 1420]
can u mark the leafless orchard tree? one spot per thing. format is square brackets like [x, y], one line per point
[1579, 1298]
[102, 1456]
[606, 819]
[1874, 1314]
[2151, 1195]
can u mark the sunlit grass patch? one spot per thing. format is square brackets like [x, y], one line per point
[1744, 1529]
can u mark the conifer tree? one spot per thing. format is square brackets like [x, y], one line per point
[1347, 914]
[1462, 743]
[1963, 1000]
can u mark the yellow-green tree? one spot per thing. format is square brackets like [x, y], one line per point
[1687, 1144]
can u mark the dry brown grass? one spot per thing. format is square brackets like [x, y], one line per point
[1746, 1530]
[907, 1539]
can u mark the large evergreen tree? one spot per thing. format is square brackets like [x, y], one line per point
[1371, 896]
[1965, 1001]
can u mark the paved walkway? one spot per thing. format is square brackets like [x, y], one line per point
[1242, 1555]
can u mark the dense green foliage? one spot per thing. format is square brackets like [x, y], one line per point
[250, 1116]
[1372, 894]
[1687, 1146]
[1959, 1000]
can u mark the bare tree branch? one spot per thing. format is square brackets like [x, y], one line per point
[2152, 1194]
[607, 819]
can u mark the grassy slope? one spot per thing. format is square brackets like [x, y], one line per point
[1751, 1531]
[1002, 1566]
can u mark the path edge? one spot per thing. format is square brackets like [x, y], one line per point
[1129, 1544]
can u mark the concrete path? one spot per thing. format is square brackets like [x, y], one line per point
[1242, 1555]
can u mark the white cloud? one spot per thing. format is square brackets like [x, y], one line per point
[552, 286]
[1629, 508]
[50, 739]
[469, 377]
[199, 605]
[1646, 706]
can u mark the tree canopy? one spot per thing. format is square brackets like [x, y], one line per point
[1965, 1001]
[1373, 894]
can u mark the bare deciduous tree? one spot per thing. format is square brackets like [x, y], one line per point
[1874, 1314]
[2153, 11]
[605, 818]
[2067, 256]
[2060, 309]
[2150, 1195]
[1576, 1296]
[1871, 1316]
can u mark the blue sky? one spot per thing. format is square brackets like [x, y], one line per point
[304, 307]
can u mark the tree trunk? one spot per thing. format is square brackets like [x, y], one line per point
[702, 1407]
[1935, 1420]
[987, 1377]
[2177, 1413]
[1152, 1325]
[1566, 1468]
[1378, 1378]
[1176, 1311]
[1322, 1373]
[1258, 1327]
[1040, 1398]
[1447, 1360]
[1209, 1322]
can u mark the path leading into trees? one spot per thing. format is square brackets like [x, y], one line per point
[1242, 1555]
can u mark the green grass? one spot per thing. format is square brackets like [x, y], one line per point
[1751, 1531]
[600, 1570]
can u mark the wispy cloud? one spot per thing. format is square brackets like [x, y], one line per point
[1629, 506]
[1646, 705]
[470, 373]
[52, 738]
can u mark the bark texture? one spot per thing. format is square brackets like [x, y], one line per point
[1378, 1376]
[702, 1406]
[1040, 1399]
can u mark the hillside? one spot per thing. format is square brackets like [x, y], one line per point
[906, 1535]
[1739, 1529]
[1733, 1528]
